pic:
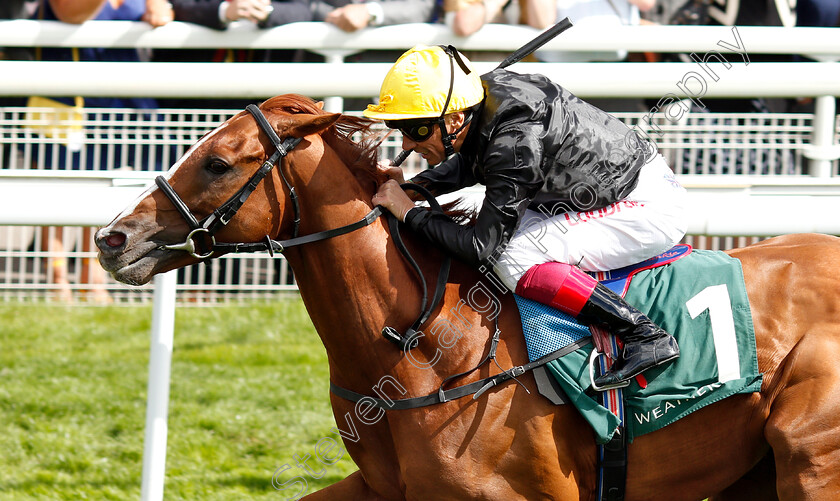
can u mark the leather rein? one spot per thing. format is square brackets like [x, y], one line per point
[207, 228]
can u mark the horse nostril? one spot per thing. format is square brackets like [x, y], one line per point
[115, 239]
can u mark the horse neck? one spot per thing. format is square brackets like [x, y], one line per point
[348, 282]
[355, 284]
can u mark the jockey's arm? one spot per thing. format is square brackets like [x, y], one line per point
[450, 175]
[445, 178]
[511, 182]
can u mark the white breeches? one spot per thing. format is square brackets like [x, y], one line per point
[649, 221]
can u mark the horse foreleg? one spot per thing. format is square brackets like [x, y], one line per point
[804, 419]
[352, 488]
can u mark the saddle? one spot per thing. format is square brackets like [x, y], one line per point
[547, 329]
[682, 298]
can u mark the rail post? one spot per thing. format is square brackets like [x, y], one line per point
[822, 150]
[157, 400]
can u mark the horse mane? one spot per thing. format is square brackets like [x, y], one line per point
[357, 144]
[351, 136]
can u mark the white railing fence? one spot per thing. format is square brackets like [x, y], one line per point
[724, 148]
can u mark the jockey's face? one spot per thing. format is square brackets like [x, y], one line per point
[431, 148]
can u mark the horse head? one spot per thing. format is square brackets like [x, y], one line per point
[151, 235]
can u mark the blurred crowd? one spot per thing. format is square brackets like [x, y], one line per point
[464, 17]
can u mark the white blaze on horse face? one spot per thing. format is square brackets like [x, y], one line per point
[130, 209]
[194, 147]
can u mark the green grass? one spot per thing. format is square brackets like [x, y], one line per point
[249, 391]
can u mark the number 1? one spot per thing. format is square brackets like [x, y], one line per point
[715, 298]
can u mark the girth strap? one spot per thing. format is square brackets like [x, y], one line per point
[612, 465]
[477, 388]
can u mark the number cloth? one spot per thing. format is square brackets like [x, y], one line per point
[702, 301]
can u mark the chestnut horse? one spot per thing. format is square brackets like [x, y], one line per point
[511, 443]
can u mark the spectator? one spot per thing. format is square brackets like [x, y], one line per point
[70, 11]
[601, 15]
[158, 13]
[100, 10]
[354, 15]
[818, 13]
[87, 155]
[218, 14]
[465, 17]
[692, 12]
[14, 9]
[351, 16]
[713, 113]
[824, 13]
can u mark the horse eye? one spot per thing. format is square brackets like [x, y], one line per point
[217, 167]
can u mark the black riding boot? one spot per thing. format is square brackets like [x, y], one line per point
[646, 344]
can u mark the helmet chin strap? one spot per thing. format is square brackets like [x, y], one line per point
[445, 137]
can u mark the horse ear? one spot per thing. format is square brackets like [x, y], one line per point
[301, 125]
[320, 104]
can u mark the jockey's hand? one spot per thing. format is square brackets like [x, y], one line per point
[351, 17]
[393, 198]
[392, 171]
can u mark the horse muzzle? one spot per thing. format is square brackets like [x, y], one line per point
[126, 257]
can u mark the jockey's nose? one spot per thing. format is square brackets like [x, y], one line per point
[408, 143]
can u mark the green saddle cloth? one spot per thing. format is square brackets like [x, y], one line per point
[700, 299]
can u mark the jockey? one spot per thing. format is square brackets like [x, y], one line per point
[569, 189]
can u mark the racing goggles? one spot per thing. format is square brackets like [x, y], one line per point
[418, 130]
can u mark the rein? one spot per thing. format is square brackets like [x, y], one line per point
[411, 337]
[225, 212]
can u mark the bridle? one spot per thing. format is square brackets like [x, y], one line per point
[225, 212]
[410, 339]
[220, 217]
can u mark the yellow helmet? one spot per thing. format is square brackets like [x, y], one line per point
[418, 85]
